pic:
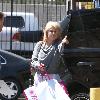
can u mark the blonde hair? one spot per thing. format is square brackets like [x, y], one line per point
[52, 24]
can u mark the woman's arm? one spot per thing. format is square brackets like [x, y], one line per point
[61, 45]
[35, 63]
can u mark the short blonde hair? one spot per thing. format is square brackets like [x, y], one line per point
[52, 24]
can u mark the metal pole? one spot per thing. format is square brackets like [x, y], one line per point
[73, 4]
[11, 26]
[70, 5]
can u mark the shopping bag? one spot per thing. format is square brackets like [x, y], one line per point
[30, 93]
[49, 89]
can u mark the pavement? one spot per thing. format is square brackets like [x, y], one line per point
[21, 97]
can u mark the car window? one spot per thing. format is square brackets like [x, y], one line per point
[84, 29]
[17, 21]
[91, 20]
[85, 21]
[2, 60]
[75, 24]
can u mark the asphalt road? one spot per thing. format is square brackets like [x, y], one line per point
[21, 98]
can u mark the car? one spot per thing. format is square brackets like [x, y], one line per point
[13, 23]
[23, 20]
[15, 73]
[29, 37]
[81, 57]
[82, 54]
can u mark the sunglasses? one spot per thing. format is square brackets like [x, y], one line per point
[51, 31]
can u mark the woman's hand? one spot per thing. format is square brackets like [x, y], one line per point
[65, 40]
[42, 67]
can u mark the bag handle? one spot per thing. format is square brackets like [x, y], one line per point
[45, 74]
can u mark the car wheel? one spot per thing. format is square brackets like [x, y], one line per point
[80, 96]
[15, 90]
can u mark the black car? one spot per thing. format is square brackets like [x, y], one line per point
[82, 55]
[15, 72]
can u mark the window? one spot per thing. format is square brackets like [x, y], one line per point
[14, 21]
[75, 24]
[84, 29]
[91, 20]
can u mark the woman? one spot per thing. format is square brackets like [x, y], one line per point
[46, 53]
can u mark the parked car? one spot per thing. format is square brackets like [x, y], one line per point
[13, 23]
[15, 72]
[81, 57]
[30, 38]
[23, 20]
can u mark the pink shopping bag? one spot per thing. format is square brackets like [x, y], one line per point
[47, 90]
[30, 93]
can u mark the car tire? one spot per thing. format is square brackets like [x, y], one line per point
[80, 96]
[15, 88]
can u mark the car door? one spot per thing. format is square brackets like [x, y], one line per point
[82, 55]
[2, 62]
